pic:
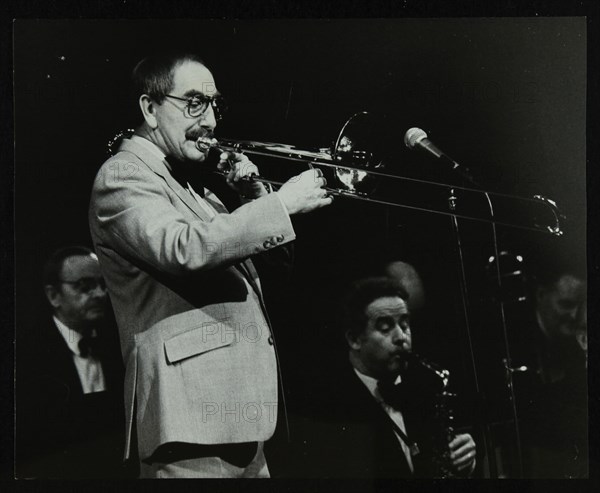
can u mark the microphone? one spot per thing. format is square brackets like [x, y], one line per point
[415, 137]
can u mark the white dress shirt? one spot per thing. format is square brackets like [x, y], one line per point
[89, 368]
[394, 414]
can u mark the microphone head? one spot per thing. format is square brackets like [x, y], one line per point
[413, 136]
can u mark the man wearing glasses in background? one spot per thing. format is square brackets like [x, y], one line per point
[201, 372]
[70, 416]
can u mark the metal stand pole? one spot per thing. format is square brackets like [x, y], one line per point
[452, 200]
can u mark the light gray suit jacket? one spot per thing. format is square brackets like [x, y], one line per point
[198, 349]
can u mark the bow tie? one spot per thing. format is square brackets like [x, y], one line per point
[391, 393]
[88, 346]
[185, 172]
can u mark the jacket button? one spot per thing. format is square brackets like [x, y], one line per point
[270, 339]
[279, 238]
[267, 244]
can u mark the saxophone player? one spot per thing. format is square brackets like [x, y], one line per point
[381, 424]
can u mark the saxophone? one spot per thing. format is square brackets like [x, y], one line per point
[444, 420]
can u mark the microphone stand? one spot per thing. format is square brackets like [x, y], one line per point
[415, 137]
[507, 360]
[452, 201]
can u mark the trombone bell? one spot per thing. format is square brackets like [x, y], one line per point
[352, 149]
[349, 157]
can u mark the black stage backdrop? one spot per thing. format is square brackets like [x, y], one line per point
[506, 97]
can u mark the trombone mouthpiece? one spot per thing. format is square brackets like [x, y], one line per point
[204, 144]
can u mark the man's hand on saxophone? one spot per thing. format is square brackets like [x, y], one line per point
[463, 453]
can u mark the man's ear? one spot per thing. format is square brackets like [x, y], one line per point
[53, 295]
[148, 108]
[581, 338]
[353, 340]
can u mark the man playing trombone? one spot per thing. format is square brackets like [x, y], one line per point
[201, 369]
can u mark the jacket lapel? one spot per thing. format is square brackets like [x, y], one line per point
[59, 361]
[389, 459]
[162, 168]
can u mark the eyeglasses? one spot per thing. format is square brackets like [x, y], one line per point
[197, 105]
[86, 284]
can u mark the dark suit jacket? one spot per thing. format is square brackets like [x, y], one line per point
[551, 398]
[347, 434]
[62, 432]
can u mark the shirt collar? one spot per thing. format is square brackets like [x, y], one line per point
[151, 146]
[71, 337]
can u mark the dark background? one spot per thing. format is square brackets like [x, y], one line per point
[506, 97]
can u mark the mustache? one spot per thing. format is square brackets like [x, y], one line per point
[196, 134]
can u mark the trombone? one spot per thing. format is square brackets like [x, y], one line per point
[355, 171]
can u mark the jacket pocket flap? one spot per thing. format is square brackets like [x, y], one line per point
[199, 340]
